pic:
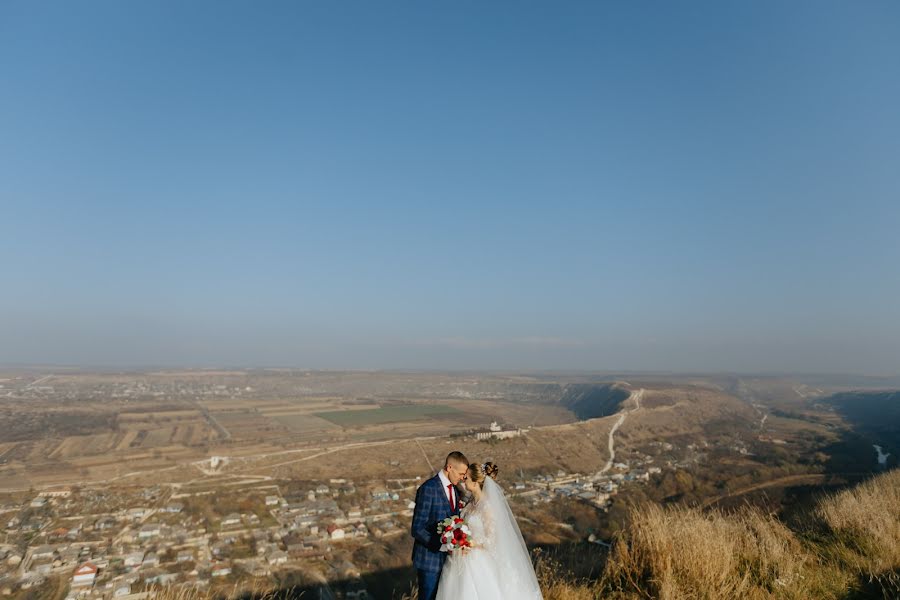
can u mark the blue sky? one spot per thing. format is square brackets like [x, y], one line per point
[522, 185]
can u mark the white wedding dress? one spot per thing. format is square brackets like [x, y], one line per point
[499, 567]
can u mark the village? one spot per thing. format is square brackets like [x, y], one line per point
[106, 544]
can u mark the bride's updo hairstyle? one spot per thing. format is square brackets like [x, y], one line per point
[477, 472]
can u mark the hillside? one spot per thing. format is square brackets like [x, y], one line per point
[847, 547]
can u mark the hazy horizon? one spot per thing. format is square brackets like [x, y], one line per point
[588, 187]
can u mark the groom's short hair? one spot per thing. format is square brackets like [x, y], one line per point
[456, 457]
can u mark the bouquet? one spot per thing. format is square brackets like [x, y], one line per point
[454, 534]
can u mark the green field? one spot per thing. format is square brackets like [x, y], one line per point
[388, 414]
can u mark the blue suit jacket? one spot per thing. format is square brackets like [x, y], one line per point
[432, 506]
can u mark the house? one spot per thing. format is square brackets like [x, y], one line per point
[122, 590]
[174, 507]
[337, 533]
[221, 570]
[84, 575]
[184, 556]
[150, 561]
[60, 493]
[273, 500]
[293, 543]
[137, 513]
[322, 489]
[148, 531]
[38, 502]
[134, 559]
[381, 495]
[278, 557]
[42, 552]
[232, 519]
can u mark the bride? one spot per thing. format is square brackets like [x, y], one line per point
[498, 566]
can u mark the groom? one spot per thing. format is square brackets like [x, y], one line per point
[436, 499]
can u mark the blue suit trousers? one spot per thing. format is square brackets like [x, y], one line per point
[428, 584]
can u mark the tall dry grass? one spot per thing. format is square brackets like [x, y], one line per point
[866, 521]
[862, 536]
[177, 592]
[686, 553]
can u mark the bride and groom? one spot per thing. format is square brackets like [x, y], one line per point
[497, 566]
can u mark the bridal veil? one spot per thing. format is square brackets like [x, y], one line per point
[508, 546]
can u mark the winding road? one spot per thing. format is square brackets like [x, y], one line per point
[612, 432]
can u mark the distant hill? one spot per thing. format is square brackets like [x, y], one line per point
[591, 401]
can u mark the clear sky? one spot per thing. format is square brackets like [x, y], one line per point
[597, 185]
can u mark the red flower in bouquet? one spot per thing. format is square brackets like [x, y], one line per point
[454, 534]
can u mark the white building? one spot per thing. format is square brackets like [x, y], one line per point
[44, 551]
[497, 432]
[148, 531]
[232, 519]
[134, 559]
[84, 575]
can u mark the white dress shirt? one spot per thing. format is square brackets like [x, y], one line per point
[444, 483]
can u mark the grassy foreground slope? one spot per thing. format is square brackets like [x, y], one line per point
[847, 547]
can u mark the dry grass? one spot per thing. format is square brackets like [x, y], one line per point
[555, 585]
[852, 548]
[862, 534]
[866, 521]
[689, 553]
